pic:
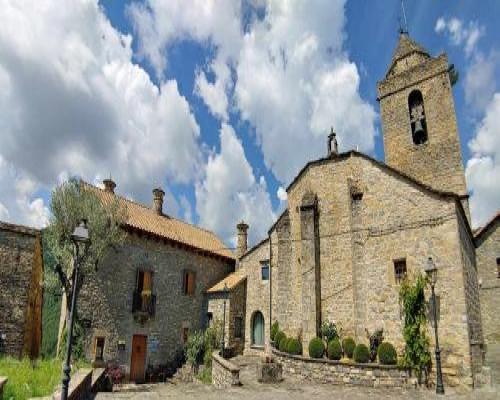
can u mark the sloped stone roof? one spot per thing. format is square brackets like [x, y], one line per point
[145, 219]
[25, 230]
[231, 281]
[481, 230]
[406, 46]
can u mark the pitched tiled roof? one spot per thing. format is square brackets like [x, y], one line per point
[145, 219]
[232, 280]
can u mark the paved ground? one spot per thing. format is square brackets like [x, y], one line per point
[289, 389]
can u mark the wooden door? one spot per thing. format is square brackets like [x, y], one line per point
[138, 358]
[258, 329]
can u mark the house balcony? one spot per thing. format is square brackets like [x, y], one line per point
[144, 305]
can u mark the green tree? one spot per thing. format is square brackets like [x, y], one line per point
[71, 202]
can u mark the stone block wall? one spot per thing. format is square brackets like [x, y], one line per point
[106, 298]
[21, 279]
[224, 373]
[339, 373]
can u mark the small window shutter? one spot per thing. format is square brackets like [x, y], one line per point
[183, 281]
[192, 282]
[147, 281]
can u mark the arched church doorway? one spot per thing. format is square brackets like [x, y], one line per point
[258, 329]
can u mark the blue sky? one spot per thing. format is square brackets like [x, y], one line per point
[221, 103]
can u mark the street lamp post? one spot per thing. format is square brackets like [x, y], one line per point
[225, 291]
[80, 239]
[431, 272]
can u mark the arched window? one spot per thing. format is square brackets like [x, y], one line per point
[417, 117]
[258, 329]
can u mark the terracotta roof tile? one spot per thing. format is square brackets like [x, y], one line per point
[232, 280]
[145, 219]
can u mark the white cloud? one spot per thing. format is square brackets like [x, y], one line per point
[291, 79]
[480, 81]
[78, 105]
[229, 192]
[483, 168]
[460, 33]
[281, 194]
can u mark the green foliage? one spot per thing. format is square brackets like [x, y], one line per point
[29, 379]
[275, 327]
[77, 350]
[195, 348]
[50, 323]
[361, 353]
[413, 306]
[387, 354]
[277, 338]
[348, 344]
[294, 346]
[205, 375]
[334, 350]
[375, 339]
[316, 348]
[283, 343]
[329, 331]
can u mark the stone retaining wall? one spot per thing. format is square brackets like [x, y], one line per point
[80, 386]
[224, 373]
[341, 373]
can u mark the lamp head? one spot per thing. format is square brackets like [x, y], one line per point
[80, 235]
[431, 270]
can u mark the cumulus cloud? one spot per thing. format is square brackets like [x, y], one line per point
[480, 82]
[229, 192]
[281, 194]
[285, 71]
[460, 33]
[77, 104]
[483, 168]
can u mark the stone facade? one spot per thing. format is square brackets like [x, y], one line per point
[339, 373]
[106, 298]
[21, 279]
[224, 373]
[488, 266]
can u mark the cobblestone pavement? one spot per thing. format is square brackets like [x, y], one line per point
[289, 389]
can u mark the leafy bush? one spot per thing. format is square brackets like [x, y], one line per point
[334, 350]
[329, 331]
[294, 346]
[316, 348]
[274, 329]
[195, 348]
[283, 344]
[277, 338]
[387, 354]
[348, 344]
[361, 353]
[375, 339]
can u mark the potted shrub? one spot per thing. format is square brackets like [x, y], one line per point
[348, 345]
[283, 344]
[361, 353]
[387, 354]
[334, 350]
[277, 338]
[316, 348]
[294, 346]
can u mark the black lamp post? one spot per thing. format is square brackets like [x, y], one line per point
[431, 272]
[222, 346]
[80, 239]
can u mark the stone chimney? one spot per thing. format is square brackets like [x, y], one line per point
[242, 239]
[158, 200]
[332, 144]
[109, 185]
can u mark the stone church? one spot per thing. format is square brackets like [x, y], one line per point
[354, 227]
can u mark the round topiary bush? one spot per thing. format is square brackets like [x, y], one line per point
[387, 354]
[277, 338]
[361, 353]
[283, 344]
[348, 345]
[274, 329]
[316, 348]
[334, 350]
[294, 346]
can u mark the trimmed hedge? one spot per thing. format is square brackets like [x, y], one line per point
[316, 348]
[348, 344]
[283, 344]
[274, 329]
[277, 338]
[361, 353]
[294, 346]
[334, 350]
[387, 354]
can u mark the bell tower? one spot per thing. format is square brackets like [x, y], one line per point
[418, 118]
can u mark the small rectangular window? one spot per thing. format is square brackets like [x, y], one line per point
[99, 348]
[399, 270]
[357, 197]
[210, 318]
[265, 271]
[238, 327]
[498, 267]
[189, 283]
[185, 334]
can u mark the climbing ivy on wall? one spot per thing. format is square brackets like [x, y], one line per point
[414, 309]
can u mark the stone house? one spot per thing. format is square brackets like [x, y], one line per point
[487, 241]
[148, 294]
[354, 227]
[21, 280]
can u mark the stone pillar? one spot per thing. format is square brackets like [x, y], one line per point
[109, 185]
[310, 268]
[158, 200]
[241, 249]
